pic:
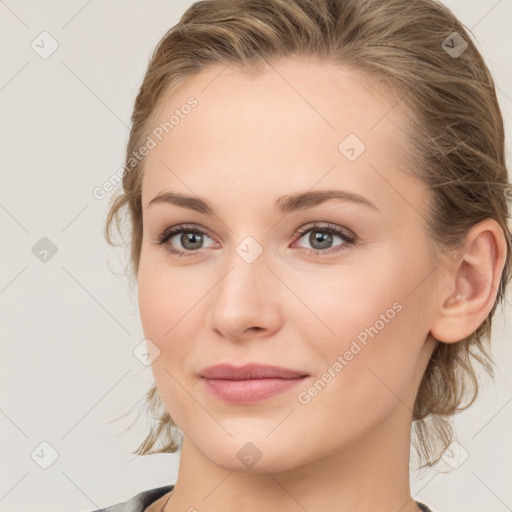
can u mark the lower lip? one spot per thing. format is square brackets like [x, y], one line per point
[249, 391]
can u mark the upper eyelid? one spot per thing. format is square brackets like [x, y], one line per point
[327, 226]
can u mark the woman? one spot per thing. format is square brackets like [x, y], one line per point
[317, 195]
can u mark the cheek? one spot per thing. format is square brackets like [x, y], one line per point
[172, 306]
[344, 304]
[362, 379]
[369, 319]
[166, 296]
[163, 304]
[154, 306]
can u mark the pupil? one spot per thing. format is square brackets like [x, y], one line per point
[323, 238]
[190, 237]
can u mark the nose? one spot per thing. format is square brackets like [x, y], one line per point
[247, 301]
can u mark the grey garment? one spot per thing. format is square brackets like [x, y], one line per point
[423, 507]
[139, 502]
[142, 500]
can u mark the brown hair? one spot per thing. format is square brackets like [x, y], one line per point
[456, 141]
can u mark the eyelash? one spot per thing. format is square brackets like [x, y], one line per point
[349, 239]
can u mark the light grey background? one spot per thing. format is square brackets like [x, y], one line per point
[70, 325]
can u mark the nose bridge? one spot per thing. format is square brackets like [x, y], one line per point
[247, 270]
[245, 298]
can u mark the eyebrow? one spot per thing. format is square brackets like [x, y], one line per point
[284, 204]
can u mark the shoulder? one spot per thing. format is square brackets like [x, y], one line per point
[139, 502]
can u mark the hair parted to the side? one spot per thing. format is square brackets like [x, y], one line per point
[456, 140]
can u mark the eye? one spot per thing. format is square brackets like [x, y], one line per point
[190, 237]
[321, 238]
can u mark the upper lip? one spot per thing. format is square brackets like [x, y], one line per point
[249, 371]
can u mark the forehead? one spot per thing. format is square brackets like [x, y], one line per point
[292, 126]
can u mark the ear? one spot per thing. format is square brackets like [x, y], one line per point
[474, 273]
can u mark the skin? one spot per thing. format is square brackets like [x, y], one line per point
[250, 140]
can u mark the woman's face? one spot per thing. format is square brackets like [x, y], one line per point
[267, 283]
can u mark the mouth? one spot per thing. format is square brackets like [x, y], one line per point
[250, 383]
[227, 371]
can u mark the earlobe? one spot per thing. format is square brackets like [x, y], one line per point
[473, 285]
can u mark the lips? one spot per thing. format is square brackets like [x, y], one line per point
[250, 371]
[250, 383]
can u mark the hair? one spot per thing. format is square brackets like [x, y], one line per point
[455, 138]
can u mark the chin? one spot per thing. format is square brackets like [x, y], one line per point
[251, 454]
